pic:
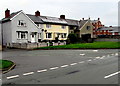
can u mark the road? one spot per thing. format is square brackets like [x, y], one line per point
[62, 67]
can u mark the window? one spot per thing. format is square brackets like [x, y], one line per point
[63, 27]
[48, 26]
[48, 35]
[22, 35]
[88, 27]
[21, 23]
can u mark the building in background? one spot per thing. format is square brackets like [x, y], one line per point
[109, 32]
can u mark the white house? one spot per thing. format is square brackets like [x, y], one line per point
[19, 28]
[0, 37]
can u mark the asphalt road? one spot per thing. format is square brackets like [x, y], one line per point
[62, 67]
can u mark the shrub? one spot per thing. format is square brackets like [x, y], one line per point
[72, 38]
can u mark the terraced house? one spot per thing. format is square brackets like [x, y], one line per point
[52, 28]
[19, 27]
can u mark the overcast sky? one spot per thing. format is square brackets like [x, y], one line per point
[106, 10]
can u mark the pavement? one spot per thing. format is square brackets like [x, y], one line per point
[62, 66]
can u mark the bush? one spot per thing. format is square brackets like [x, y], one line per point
[72, 38]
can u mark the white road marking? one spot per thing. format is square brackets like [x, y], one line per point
[112, 54]
[116, 54]
[39, 71]
[73, 64]
[82, 54]
[111, 75]
[95, 50]
[89, 60]
[108, 55]
[97, 57]
[64, 66]
[25, 74]
[11, 77]
[54, 68]
[82, 62]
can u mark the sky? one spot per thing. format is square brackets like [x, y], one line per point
[106, 10]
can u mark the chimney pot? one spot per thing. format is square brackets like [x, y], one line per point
[62, 16]
[37, 13]
[98, 18]
[7, 13]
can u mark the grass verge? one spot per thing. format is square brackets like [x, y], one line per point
[4, 64]
[94, 45]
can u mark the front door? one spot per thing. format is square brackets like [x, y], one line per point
[32, 38]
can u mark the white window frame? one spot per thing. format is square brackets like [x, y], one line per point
[47, 35]
[21, 23]
[19, 35]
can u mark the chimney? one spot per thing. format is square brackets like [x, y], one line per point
[62, 16]
[98, 18]
[82, 18]
[7, 13]
[37, 13]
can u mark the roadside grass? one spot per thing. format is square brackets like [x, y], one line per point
[94, 45]
[5, 64]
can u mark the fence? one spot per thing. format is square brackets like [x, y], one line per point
[107, 39]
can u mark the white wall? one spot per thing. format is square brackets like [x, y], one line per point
[30, 27]
[6, 32]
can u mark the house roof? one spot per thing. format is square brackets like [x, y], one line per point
[47, 19]
[11, 16]
[34, 18]
[72, 22]
[110, 29]
[82, 22]
[94, 21]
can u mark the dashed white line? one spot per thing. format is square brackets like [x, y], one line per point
[39, 71]
[82, 54]
[116, 54]
[113, 74]
[89, 60]
[73, 64]
[82, 62]
[25, 74]
[97, 57]
[95, 50]
[64, 66]
[11, 77]
[54, 68]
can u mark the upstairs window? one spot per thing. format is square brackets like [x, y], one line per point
[63, 27]
[21, 23]
[88, 27]
[48, 26]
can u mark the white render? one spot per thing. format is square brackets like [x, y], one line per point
[11, 29]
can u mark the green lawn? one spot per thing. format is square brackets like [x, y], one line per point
[5, 64]
[107, 45]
